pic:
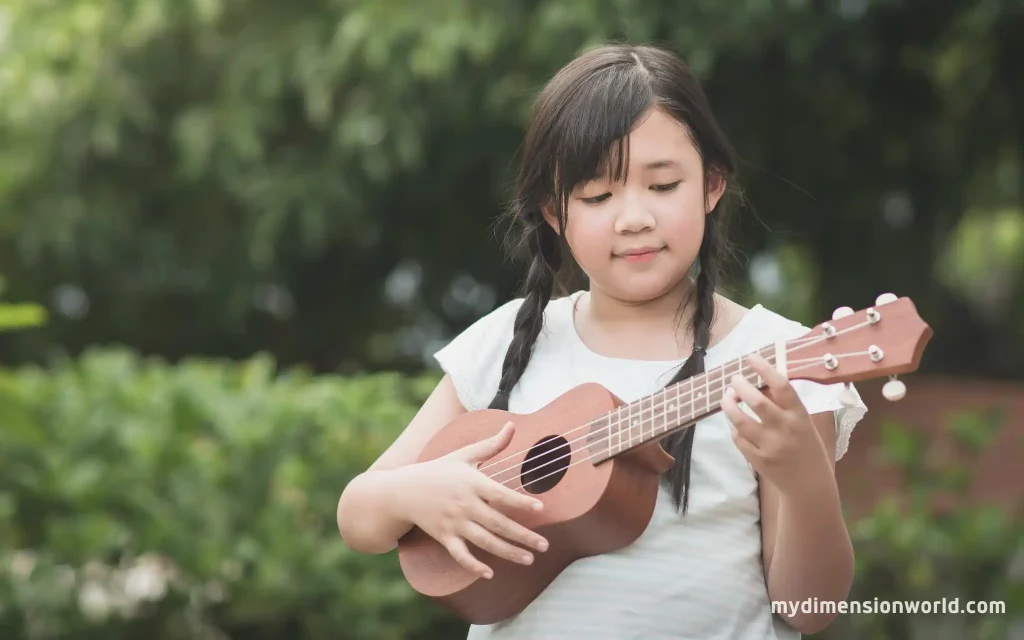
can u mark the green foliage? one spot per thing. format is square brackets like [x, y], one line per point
[922, 550]
[173, 502]
[201, 168]
[137, 498]
[19, 316]
[987, 247]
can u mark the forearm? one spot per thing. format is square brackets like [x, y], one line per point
[813, 556]
[369, 515]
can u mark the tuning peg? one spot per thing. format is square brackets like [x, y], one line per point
[884, 299]
[842, 312]
[846, 396]
[894, 390]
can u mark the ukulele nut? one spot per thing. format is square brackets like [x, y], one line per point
[873, 315]
[830, 361]
[875, 353]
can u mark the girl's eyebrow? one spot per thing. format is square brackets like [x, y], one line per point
[660, 164]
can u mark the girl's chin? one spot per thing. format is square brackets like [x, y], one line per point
[641, 288]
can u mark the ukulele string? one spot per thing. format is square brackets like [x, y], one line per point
[592, 456]
[803, 342]
[694, 394]
[614, 427]
[619, 419]
[607, 438]
[798, 342]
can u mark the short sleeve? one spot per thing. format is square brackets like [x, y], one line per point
[847, 407]
[819, 398]
[473, 358]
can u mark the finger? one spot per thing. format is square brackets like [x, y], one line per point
[778, 385]
[458, 549]
[488, 447]
[757, 401]
[747, 448]
[508, 528]
[745, 426]
[498, 494]
[491, 543]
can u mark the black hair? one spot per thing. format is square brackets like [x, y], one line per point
[577, 133]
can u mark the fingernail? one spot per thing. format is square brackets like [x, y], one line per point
[537, 506]
[488, 575]
[527, 558]
[543, 545]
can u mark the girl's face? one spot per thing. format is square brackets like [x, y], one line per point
[637, 239]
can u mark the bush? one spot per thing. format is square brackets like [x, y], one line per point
[198, 500]
[933, 544]
[194, 501]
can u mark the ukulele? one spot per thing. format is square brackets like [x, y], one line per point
[595, 461]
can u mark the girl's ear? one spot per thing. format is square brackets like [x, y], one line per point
[716, 188]
[548, 211]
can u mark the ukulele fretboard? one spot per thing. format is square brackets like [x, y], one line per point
[674, 407]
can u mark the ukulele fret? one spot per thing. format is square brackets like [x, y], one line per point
[707, 393]
[636, 423]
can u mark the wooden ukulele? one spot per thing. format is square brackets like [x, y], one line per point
[595, 461]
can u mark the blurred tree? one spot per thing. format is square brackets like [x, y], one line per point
[319, 180]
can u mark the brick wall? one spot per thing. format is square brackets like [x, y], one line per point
[999, 471]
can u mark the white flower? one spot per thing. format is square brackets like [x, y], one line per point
[22, 563]
[145, 580]
[95, 602]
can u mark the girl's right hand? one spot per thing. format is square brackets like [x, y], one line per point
[453, 502]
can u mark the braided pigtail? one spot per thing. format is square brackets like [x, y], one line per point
[680, 445]
[546, 259]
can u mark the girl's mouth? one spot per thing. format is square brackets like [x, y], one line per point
[643, 254]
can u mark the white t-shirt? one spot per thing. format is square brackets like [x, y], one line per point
[696, 576]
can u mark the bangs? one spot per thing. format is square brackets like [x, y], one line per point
[589, 131]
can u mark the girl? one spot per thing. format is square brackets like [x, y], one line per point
[624, 176]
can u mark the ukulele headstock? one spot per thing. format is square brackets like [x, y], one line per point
[883, 340]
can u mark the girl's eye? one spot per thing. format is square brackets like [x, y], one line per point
[666, 187]
[596, 199]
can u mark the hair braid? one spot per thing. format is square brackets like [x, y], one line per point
[543, 245]
[680, 445]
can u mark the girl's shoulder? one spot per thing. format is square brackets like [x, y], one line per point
[474, 357]
[742, 329]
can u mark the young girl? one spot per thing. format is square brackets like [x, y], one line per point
[624, 175]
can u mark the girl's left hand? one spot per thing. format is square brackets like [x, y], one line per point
[784, 447]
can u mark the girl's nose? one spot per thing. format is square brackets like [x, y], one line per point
[634, 218]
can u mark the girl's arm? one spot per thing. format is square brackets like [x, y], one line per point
[806, 547]
[448, 498]
[370, 510]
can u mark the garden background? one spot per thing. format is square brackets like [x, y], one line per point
[232, 234]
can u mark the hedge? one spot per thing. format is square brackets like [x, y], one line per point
[197, 500]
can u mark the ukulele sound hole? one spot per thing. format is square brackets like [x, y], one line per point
[546, 464]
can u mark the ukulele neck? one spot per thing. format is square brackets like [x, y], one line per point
[665, 412]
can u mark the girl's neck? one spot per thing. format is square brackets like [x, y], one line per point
[614, 313]
[650, 330]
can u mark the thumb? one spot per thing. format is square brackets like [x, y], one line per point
[480, 451]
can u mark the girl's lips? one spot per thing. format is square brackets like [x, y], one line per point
[644, 255]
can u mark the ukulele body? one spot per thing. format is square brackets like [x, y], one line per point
[589, 509]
